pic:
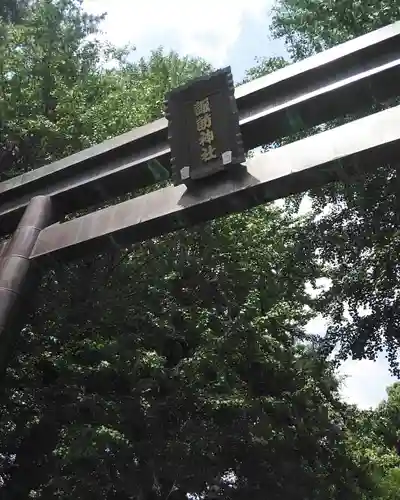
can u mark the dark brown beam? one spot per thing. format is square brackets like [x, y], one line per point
[345, 79]
[294, 168]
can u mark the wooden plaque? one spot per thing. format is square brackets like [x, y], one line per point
[203, 127]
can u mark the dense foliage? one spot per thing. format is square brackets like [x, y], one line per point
[56, 95]
[181, 365]
[310, 26]
[353, 230]
[357, 238]
[177, 366]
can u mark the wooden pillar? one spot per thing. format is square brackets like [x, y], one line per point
[16, 269]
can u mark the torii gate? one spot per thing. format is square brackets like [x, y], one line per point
[348, 78]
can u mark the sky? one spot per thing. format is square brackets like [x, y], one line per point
[365, 381]
[224, 32]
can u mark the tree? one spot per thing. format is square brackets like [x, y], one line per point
[160, 73]
[13, 11]
[54, 62]
[358, 238]
[47, 76]
[183, 368]
[174, 367]
[373, 437]
[132, 94]
[387, 423]
[310, 26]
[265, 65]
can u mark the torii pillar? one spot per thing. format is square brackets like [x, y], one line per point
[16, 271]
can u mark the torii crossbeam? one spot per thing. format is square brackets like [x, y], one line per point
[349, 78]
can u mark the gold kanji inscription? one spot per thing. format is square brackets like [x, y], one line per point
[202, 107]
[208, 154]
[206, 137]
[204, 122]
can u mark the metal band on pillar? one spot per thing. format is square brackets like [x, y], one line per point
[15, 265]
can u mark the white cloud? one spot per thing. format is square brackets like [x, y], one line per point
[207, 29]
[317, 326]
[365, 381]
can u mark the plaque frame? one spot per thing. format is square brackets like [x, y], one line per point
[188, 148]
